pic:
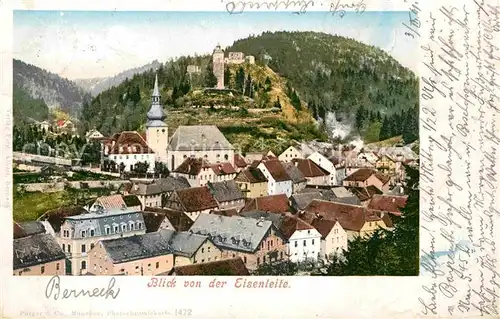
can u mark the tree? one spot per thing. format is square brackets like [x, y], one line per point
[410, 130]
[267, 84]
[240, 79]
[386, 252]
[161, 169]
[360, 118]
[282, 268]
[210, 78]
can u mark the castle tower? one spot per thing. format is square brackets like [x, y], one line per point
[156, 129]
[218, 66]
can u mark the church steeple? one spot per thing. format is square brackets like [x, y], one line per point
[156, 115]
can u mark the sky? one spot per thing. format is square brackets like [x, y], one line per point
[90, 44]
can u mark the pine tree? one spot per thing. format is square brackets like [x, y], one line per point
[360, 118]
[240, 79]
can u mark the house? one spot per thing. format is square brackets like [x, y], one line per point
[132, 202]
[355, 220]
[364, 194]
[239, 162]
[299, 181]
[227, 194]
[364, 177]
[80, 233]
[255, 241]
[163, 218]
[93, 134]
[192, 201]
[327, 165]
[301, 200]
[302, 240]
[252, 182]
[296, 151]
[190, 248]
[226, 267]
[199, 171]
[333, 237]
[340, 168]
[127, 149]
[259, 156]
[367, 157]
[314, 174]
[38, 255]
[278, 204]
[388, 203]
[199, 141]
[278, 181]
[66, 126]
[108, 203]
[154, 193]
[386, 165]
[140, 255]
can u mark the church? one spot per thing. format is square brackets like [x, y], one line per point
[196, 141]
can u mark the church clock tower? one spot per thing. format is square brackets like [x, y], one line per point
[156, 129]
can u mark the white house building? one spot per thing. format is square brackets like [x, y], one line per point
[333, 237]
[304, 241]
[323, 162]
[278, 181]
[129, 148]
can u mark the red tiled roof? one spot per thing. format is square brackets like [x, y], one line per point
[60, 123]
[364, 193]
[192, 166]
[223, 169]
[350, 217]
[360, 175]
[323, 226]
[196, 198]
[388, 203]
[112, 202]
[130, 143]
[271, 203]
[309, 169]
[239, 161]
[277, 170]
[251, 175]
[290, 224]
[228, 267]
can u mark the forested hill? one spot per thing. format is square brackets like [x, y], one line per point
[54, 90]
[335, 73]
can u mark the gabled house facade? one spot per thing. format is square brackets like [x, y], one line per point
[278, 181]
[192, 201]
[252, 182]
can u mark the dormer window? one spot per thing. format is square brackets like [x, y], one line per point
[83, 233]
[107, 229]
[92, 232]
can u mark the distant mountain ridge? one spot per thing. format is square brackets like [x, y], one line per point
[97, 85]
[54, 90]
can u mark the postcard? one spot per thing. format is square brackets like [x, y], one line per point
[233, 159]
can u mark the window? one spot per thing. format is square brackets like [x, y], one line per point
[202, 250]
[203, 260]
[107, 230]
[84, 264]
[63, 247]
[264, 258]
[245, 259]
[42, 270]
[57, 266]
[115, 229]
[258, 261]
[69, 248]
[92, 232]
[226, 157]
[296, 243]
[83, 233]
[149, 266]
[313, 241]
[208, 249]
[305, 243]
[124, 227]
[91, 246]
[234, 255]
[308, 232]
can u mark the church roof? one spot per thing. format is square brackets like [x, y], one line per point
[198, 138]
[156, 115]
